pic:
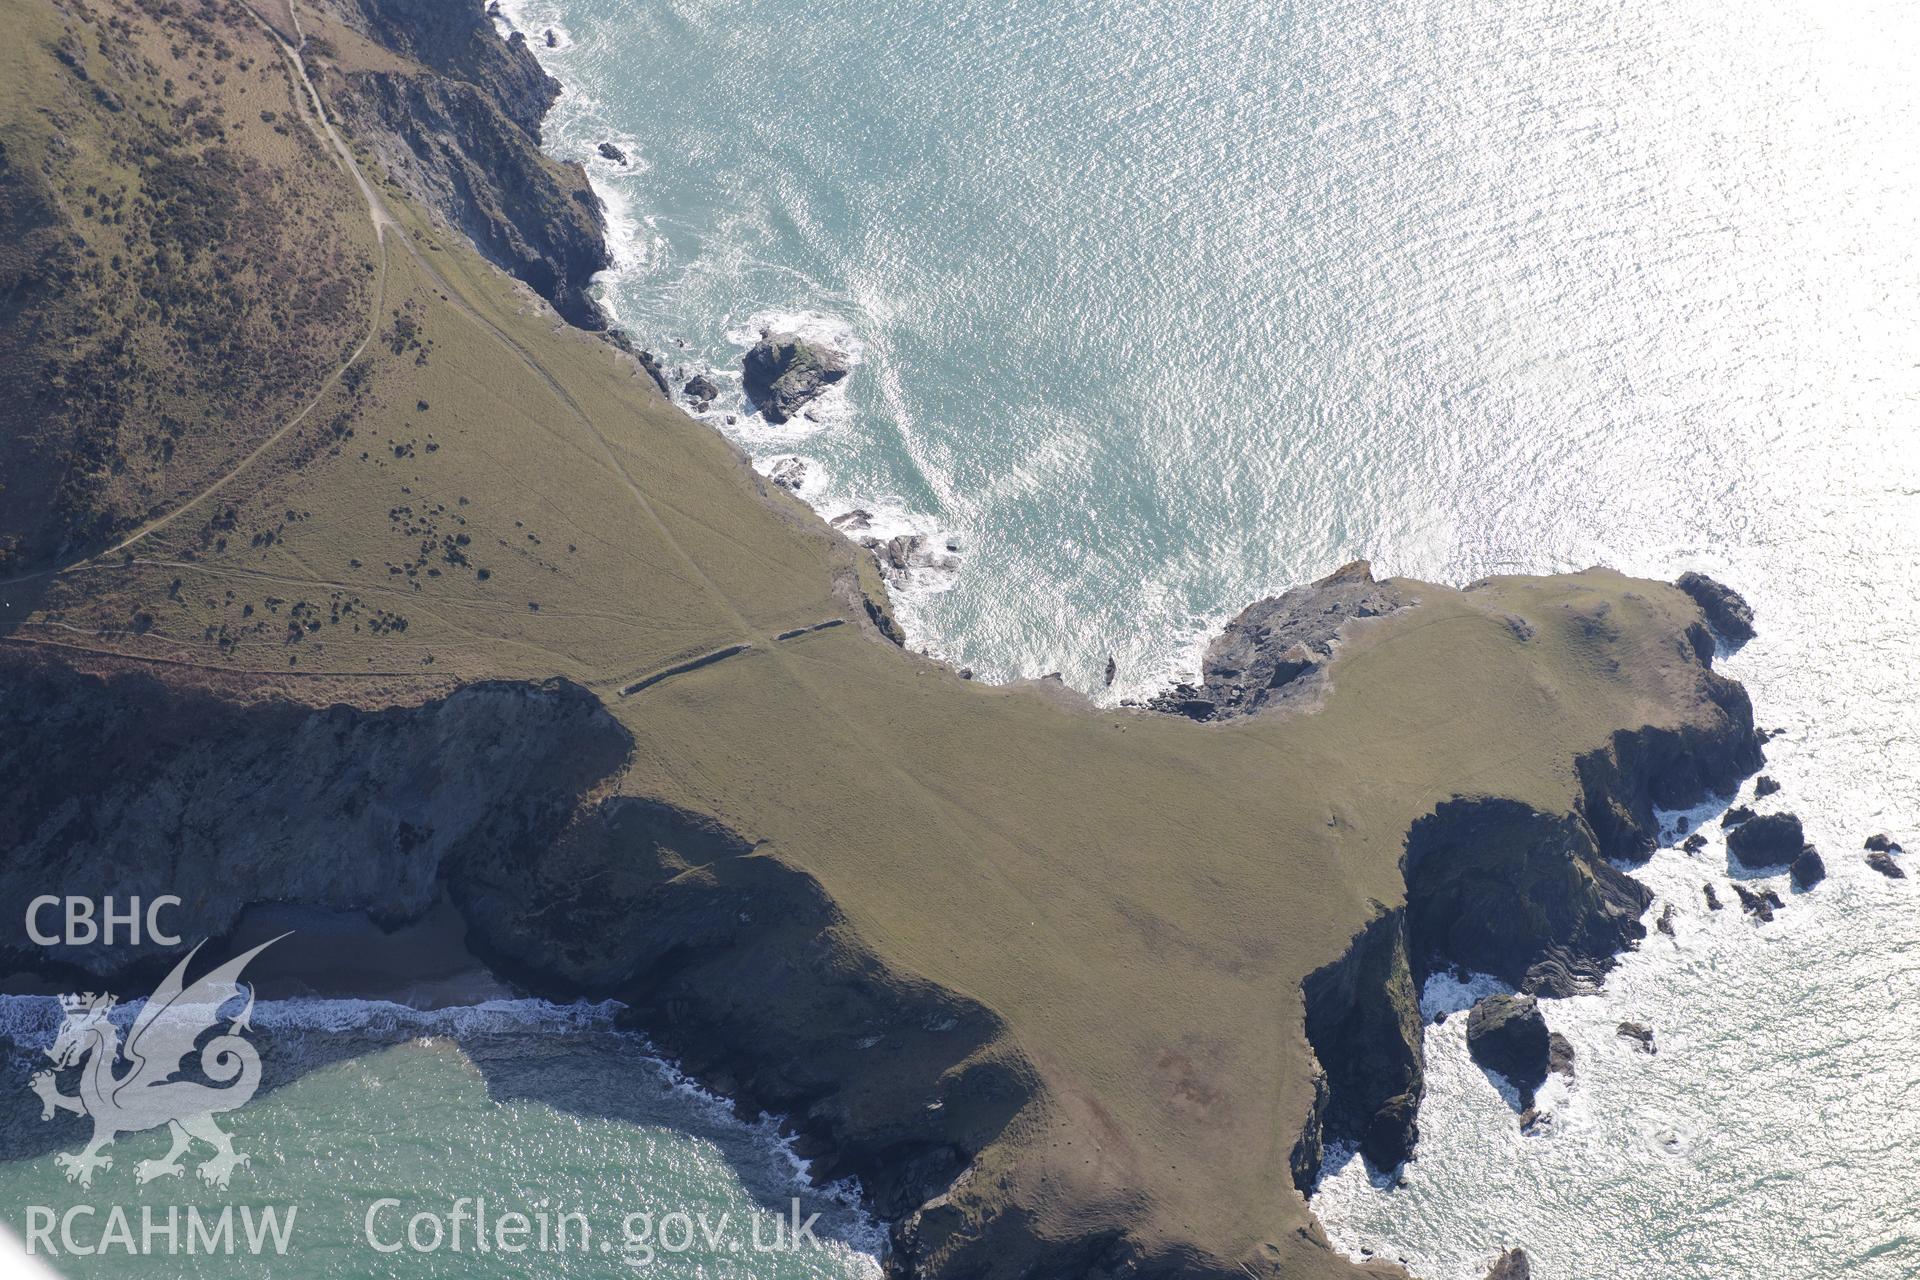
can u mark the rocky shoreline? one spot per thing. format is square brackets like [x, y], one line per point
[880, 1078]
[1492, 885]
[1272, 651]
[438, 133]
[463, 139]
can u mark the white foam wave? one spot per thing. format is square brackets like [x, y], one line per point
[639, 249]
[29, 1020]
[1448, 993]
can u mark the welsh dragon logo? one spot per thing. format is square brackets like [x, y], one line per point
[147, 1093]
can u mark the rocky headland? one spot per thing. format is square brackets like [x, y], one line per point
[1493, 886]
[1507, 1035]
[1070, 991]
[571, 888]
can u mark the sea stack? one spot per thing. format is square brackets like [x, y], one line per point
[1769, 840]
[785, 372]
[1506, 1034]
[1808, 869]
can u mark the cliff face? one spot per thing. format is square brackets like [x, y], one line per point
[1363, 1021]
[743, 970]
[457, 40]
[461, 134]
[1497, 887]
[131, 786]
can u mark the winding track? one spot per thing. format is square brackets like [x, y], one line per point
[381, 220]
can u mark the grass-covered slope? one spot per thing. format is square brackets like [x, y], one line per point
[174, 279]
[1116, 910]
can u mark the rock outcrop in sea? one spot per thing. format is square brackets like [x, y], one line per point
[1511, 1265]
[1758, 903]
[1507, 1035]
[1639, 1033]
[701, 391]
[785, 372]
[1767, 840]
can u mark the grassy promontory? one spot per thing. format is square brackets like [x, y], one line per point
[1039, 973]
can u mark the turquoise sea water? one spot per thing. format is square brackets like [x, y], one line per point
[382, 1114]
[1162, 306]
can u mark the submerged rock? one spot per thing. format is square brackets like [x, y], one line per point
[553, 41]
[785, 372]
[1640, 1033]
[1808, 869]
[1769, 840]
[1727, 611]
[1113, 669]
[1885, 865]
[1511, 1265]
[1507, 1035]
